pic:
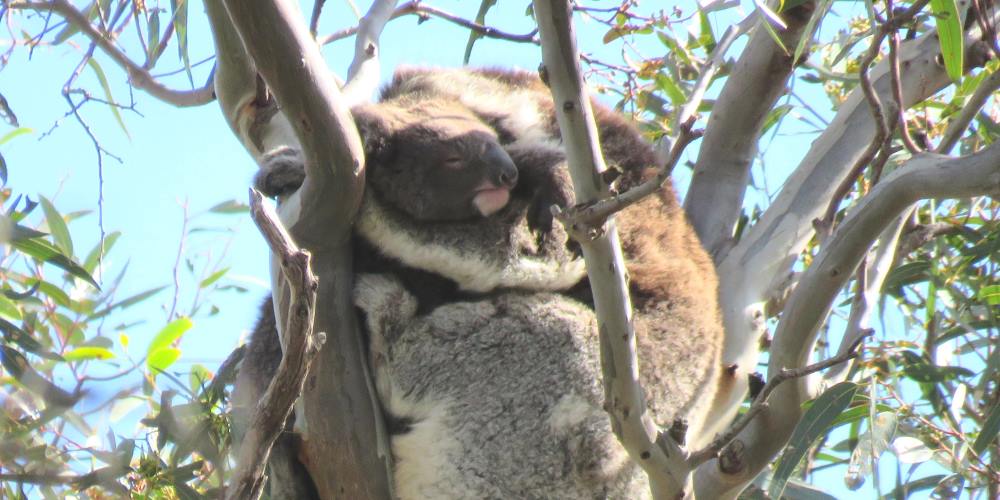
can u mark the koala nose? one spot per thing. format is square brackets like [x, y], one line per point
[507, 176]
[504, 170]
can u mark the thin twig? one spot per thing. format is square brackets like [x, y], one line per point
[314, 18]
[960, 123]
[897, 87]
[711, 67]
[137, 75]
[760, 402]
[582, 219]
[425, 11]
[177, 263]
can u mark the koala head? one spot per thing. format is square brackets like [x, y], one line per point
[434, 160]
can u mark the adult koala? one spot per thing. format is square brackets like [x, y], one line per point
[499, 397]
[673, 284]
[442, 212]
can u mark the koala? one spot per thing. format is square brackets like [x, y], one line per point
[438, 183]
[534, 353]
[672, 280]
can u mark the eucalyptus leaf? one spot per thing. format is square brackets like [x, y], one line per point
[813, 424]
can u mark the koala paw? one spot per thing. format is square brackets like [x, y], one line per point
[281, 172]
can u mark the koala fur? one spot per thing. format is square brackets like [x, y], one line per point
[425, 213]
[500, 398]
[672, 280]
[500, 394]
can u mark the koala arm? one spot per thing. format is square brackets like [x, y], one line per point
[387, 307]
[544, 179]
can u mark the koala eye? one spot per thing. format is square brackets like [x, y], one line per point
[454, 162]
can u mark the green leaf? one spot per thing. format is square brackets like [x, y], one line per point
[17, 335]
[44, 251]
[101, 248]
[9, 309]
[667, 84]
[112, 105]
[810, 28]
[814, 423]
[907, 274]
[706, 38]
[60, 233]
[773, 17]
[55, 293]
[912, 486]
[180, 21]
[770, 29]
[17, 365]
[87, 353]
[989, 432]
[230, 207]
[775, 116]
[949, 27]
[205, 283]
[131, 301]
[169, 334]
[72, 28]
[199, 378]
[990, 294]
[14, 133]
[153, 37]
[484, 8]
[675, 48]
[910, 450]
[19, 232]
[160, 360]
[856, 414]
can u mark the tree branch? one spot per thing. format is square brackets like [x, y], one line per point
[364, 73]
[300, 349]
[763, 257]
[871, 275]
[344, 447]
[924, 176]
[665, 466]
[584, 218]
[715, 197]
[138, 76]
[760, 402]
[959, 124]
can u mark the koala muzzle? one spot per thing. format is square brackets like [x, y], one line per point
[502, 170]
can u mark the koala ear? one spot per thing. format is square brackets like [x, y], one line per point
[374, 126]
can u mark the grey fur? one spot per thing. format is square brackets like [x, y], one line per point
[503, 394]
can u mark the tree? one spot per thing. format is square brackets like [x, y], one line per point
[855, 224]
